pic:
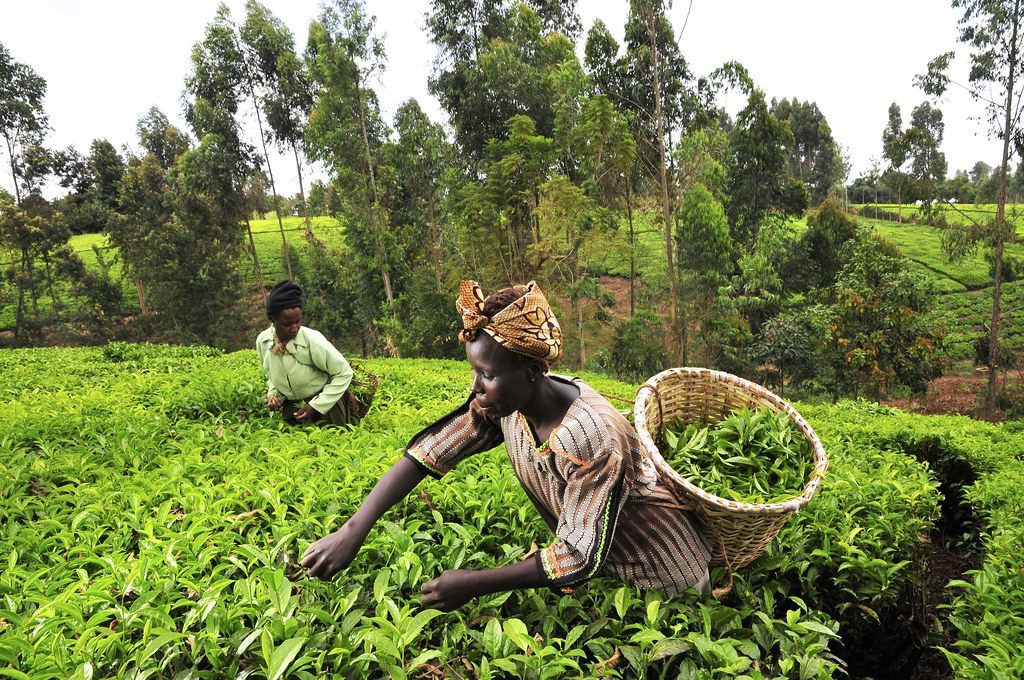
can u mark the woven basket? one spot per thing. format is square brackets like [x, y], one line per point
[738, 532]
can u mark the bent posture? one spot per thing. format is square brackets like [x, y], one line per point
[301, 364]
[577, 458]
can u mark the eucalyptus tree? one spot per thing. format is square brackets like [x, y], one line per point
[163, 144]
[815, 158]
[23, 121]
[759, 187]
[894, 152]
[655, 74]
[501, 48]
[345, 130]
[498, 214]
[223, 73]
[419, 163]
[923, 139]
[160, 139]
[279, 81]
[601, 57]
[993, 32]
[607, 154]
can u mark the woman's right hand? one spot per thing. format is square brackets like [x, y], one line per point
[334, 552]
[274, 402]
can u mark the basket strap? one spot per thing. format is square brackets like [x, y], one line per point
[657, 395]
[688, 507]
[720, 592]
[612, 397]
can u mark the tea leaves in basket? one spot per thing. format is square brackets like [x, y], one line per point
[750, 456]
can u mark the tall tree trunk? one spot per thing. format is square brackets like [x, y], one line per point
[140, 291]
[30, 274]
[56, 301]
[255, 259]
[385, 276]
[662, 169]
[273, 187]
[19, 316]
[435, 245]
[302, 192]
[632, 248]
[583, 346]
[997, 278]
[14, 170]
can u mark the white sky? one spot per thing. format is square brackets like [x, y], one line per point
[107, 61]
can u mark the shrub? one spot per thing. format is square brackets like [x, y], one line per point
[638, 351]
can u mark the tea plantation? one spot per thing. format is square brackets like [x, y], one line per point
[153, 514]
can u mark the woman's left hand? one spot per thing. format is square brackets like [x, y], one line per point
[449, 591]
[306, 413]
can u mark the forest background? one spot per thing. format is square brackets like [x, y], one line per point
[666, 230]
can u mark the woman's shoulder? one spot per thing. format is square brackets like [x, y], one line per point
[591, 424]
[266, 335]
[311, 335]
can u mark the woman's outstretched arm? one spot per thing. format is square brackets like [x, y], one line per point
[334, 552]
[456, 587]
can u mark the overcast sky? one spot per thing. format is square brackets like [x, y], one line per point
[107, 61]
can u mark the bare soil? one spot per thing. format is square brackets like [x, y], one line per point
[954, 395]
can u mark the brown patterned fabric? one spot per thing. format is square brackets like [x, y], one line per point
[592, 485]
[526, 326]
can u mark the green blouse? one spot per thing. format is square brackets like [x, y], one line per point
[311, 369]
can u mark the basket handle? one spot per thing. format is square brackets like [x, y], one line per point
[657, 395]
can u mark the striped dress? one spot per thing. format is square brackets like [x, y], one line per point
[593, 487]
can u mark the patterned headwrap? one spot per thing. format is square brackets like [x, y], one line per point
[526, 326]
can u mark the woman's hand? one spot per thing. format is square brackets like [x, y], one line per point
[306, 413]
[274, 402]
[334, 552]
[450, 590]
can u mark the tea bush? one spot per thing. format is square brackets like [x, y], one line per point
[154, 513]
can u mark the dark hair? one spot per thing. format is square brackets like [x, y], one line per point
[499, 300]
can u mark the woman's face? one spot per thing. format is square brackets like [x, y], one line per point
[287, 323]
[501, 382]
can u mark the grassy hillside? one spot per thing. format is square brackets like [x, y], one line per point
[266, 237]
[963, 213]
[154, 514]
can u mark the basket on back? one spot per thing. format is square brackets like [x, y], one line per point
[737, 532]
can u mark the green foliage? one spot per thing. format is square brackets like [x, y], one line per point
[180, 235]
[704, 252]
[749, 456]
[23, 120]
[703, 245]
[160, 139]
[817, 259]
[758, 185]
[497, 213]
[814, 157]
[788, 346]
[966, 314]
[154, 526]
[506, 49]
[638, 352]
[879, 334]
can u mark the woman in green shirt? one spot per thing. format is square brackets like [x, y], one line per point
[301, 364]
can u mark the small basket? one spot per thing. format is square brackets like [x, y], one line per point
[738, 532]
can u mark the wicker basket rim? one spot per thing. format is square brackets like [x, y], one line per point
[788, 506]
